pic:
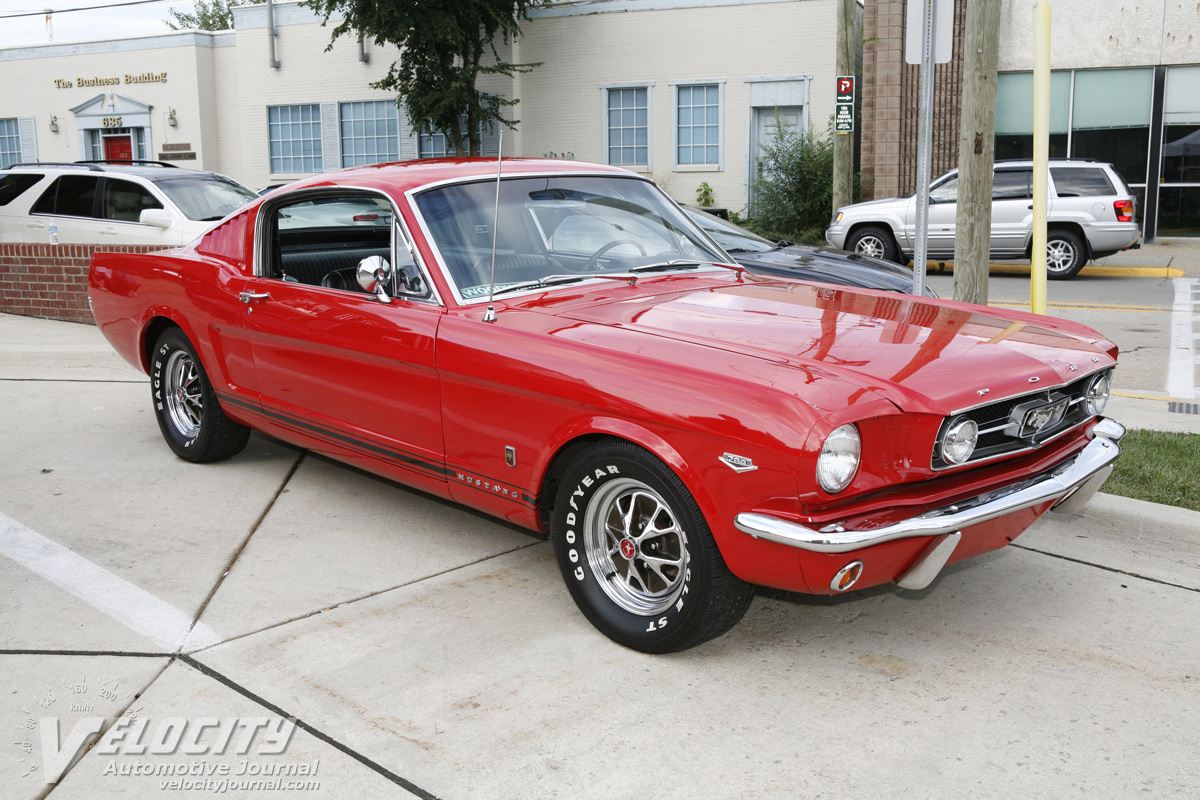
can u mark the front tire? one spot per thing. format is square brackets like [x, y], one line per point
[637, 555]
[1065, 255]
[875, 242]
[189, 415]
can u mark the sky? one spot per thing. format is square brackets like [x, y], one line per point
[99, 23]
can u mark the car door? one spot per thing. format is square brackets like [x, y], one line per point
[1012, 210]
[351, 373]
[121, 205]
[943, 210]
[68, 205]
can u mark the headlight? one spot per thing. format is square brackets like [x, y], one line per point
[1097, 393]
[958, 442]
[839, 459]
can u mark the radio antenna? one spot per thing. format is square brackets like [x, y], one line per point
[490, 315]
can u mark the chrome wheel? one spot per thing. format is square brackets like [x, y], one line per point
[183, 394]
[1060, 255]
[635, 547]
[872, 246]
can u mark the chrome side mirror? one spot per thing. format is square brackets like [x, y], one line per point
[374, 275]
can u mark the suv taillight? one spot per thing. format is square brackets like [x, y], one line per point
[1124, 209]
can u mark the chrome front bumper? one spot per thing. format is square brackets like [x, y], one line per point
[1071, 483]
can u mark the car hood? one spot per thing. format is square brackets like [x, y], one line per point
[855, 270]
[934, 356]
[886, 201]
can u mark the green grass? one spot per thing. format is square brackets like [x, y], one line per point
[1158, 467]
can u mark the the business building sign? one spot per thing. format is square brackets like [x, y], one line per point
[145, 77]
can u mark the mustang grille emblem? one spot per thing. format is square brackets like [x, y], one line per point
[738, 463]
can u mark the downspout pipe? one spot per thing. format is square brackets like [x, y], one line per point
[271, 34]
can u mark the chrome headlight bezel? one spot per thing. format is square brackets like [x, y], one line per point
[1098, 391]
[957, 443]
[839, 459]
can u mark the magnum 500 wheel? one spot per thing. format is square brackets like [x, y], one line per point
[637, 555]
[189, 416]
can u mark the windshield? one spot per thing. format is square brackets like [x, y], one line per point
[205, 197]
[732, 238]
[553, 226]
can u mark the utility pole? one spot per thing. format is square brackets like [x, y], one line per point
[976, 151]
[843, 142]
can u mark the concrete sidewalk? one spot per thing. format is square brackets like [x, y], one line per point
[427, 651]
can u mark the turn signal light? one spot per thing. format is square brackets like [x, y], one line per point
[847, 576]
[1124, 209]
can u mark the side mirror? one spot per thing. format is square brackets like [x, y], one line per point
[374, 275]
[158, 217]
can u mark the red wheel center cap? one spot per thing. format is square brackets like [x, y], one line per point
[179, 395]
[628, 548]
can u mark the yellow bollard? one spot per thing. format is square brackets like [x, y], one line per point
[1041, 153]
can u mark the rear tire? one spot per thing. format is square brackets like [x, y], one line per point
[637, 555]
[1065, 255]
[875, 242]
[189, 415]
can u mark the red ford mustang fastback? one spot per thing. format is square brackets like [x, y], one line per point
[563, 348]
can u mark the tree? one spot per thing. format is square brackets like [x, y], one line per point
[793, 193]
[207, 16]
[442, 44]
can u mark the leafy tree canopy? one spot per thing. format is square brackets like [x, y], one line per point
[206, 16]
[442, 44]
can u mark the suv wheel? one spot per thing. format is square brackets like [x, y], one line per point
[874, 242]
[1065, 254]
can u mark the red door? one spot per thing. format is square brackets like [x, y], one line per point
[118, 148]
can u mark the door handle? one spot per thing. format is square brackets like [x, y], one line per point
[246, 297]
[108, 231]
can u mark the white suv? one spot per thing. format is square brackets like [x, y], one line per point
[100, 203]
[1090, 215]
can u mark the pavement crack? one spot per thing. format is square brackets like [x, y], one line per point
[237, 553]
[367, 596]
[70, 380]
[119, 653]
[313, 731]
[1106, 569]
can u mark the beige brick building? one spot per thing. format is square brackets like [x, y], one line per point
[683, 90]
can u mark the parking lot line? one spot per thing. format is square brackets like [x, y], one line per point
[1095, 269]
[132, 606]
[1181, 368]
[1088, 306]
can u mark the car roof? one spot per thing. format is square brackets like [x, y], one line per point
[151, 170]
[404, 176]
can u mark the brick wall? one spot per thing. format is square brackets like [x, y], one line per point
[891, 102]
[50, 281]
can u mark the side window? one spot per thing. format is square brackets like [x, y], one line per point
[945, 192]
[69, 196]
[14, 185]
[124, 201]
[320, 241]
[1081, 182]
[1012, 185]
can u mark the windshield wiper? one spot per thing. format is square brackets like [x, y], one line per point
[677, 263]
[556, 280]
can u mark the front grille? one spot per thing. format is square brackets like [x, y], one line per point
[998, 430]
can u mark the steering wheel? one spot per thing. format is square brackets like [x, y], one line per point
[592, 262]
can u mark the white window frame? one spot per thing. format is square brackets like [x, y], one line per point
[649, 87]
[675, 87]
[343, 138]
[15, 137]
[319, 153]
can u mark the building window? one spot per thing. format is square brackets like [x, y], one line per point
[627, 127]
[10, 143]
[1098, 113]
[370, 133]
[295, 139]
[698, 125]
[433, 145]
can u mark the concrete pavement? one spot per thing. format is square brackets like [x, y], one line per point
[427, 651]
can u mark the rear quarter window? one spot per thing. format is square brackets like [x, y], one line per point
[13, 186]
[1081, 182]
